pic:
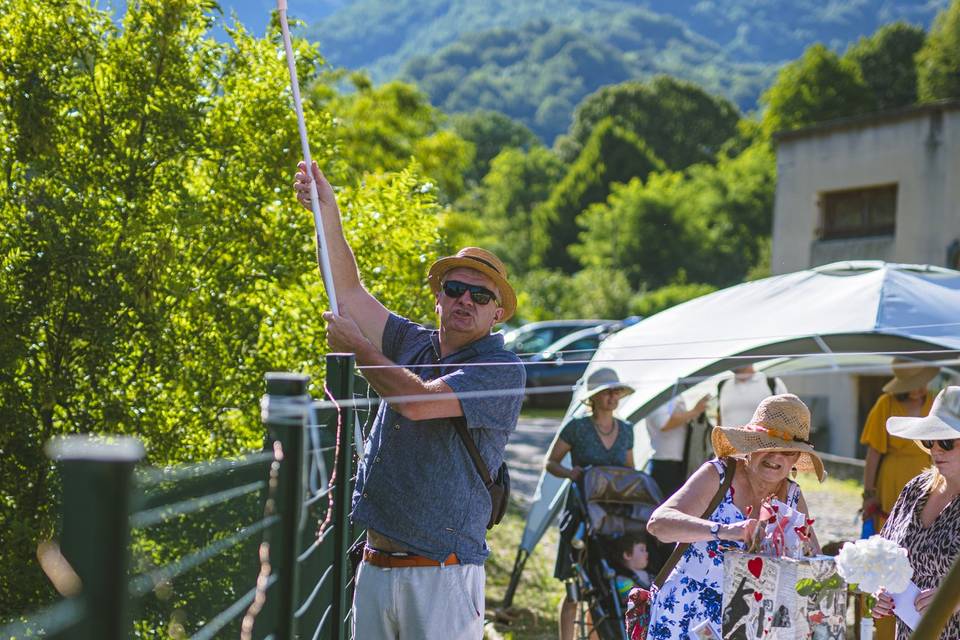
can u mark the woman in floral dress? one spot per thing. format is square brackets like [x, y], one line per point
[765, 451]
[926, 517]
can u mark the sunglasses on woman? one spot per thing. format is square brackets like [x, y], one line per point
[946, 445]
[481, 295]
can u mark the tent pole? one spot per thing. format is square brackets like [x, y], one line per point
[518, 565]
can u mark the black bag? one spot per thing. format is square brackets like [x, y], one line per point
[499, 487]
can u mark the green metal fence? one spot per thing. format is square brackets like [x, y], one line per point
[254, 547]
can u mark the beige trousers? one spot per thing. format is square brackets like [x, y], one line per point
[419, 603]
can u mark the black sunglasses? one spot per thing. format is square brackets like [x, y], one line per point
[946, 445]
[481, 295]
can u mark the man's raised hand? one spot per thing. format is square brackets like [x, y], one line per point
[301, 185]
[343, 334]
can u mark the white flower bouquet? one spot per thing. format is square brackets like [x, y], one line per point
[874, 563]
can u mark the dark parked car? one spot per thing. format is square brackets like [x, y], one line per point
[563, 363]
[534, 337]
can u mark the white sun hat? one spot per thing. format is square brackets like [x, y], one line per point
[943, 423]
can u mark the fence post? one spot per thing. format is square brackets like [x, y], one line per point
[340, 386]
[97, 473]
[287, 404]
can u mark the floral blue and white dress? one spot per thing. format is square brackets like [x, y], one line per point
[693, 591]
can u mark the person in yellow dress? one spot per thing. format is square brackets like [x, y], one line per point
[891, 461]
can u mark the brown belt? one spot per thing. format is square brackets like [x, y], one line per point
[389, 561]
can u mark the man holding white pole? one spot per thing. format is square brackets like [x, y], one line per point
[419, 492]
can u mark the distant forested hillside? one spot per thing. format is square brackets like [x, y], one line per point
[539, 72]
[535, 60]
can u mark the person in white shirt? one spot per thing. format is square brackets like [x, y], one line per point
[668, 439]
[739, 396]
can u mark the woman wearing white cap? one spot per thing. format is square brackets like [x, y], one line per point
[926, 517]
[765, 452]
[597, 439]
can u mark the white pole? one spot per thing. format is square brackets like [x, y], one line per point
[305, 145]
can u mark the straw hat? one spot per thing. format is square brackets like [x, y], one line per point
[603, 379]
[479, 260]
[909, 375]
[943, 423]
[780, 423]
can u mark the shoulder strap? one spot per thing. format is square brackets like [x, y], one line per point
[731, 467]
[772, 383]
[461, 425]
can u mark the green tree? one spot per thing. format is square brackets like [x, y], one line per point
[727, 213]
[547, 294]
[819, 86]
[501, 207]
[886, 62]
[612, 154]
[155, 264]
[490, 132]
[679, 121]
[938, 62]
[635, 232]
[708, 223]
[651, 302]
[378, 129]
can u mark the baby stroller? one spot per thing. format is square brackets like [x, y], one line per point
[613, 501]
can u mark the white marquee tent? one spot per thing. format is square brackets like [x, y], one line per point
[843, 315]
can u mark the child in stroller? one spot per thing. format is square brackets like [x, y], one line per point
[629, 557]
[609, 548]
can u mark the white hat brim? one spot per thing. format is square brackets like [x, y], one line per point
[928, 428]
[624, 388]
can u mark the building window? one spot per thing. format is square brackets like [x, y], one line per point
[858, 213]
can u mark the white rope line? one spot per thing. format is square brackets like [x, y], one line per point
[882, 330]
[687, 381]
[754, 357]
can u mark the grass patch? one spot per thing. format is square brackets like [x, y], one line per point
[835, 486]
[537, 599]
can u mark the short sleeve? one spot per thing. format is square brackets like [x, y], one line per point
[568, 433]
[490, 396]
[875, 428]
[398, 333]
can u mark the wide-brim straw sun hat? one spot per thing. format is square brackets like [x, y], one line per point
[603, 379]
[909, 375]
[479, 260]
[780, 423]
[943, 423]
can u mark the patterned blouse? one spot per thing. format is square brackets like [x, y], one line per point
[932, 549]
[586, 448]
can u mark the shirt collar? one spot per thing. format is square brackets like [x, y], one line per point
[487, 344]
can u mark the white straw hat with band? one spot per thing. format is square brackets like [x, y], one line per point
[603, 379]
[780, 423]
[943, 423]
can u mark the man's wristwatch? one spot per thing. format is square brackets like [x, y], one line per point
[715, 530]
